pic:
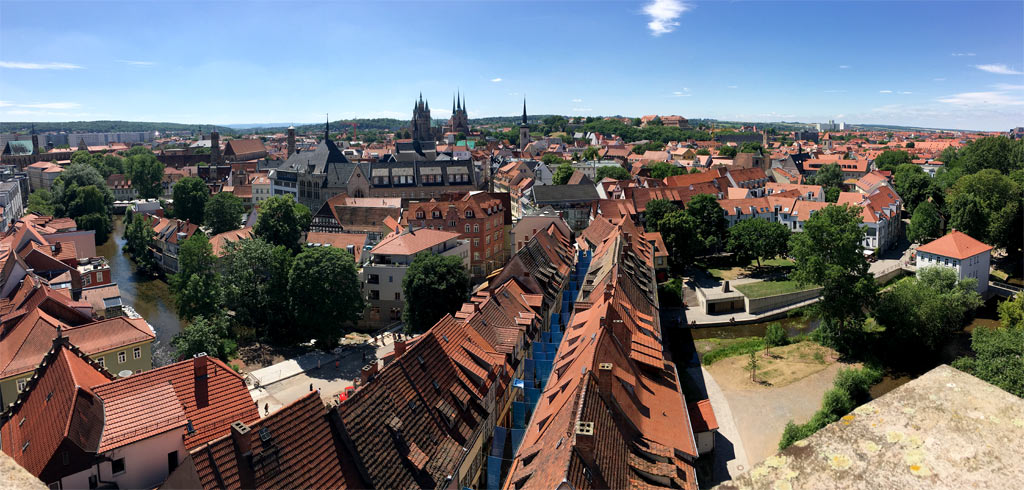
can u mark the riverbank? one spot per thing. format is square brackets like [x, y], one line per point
[149, 296]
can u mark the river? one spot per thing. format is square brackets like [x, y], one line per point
[150, 297]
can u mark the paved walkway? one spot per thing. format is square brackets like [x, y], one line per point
[330, 373]
[730, 454]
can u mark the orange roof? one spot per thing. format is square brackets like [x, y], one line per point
[702, 416]
[955, 245]
[338, 240]
[412, 241]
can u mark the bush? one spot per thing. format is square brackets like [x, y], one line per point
[850, 389]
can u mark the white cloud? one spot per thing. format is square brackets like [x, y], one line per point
[843, 67]
[496, 80]
[1008, 86]
[22, 65]
[680, 94]
[663, 14]
[137, 63]
[963, 54]
[41, 105]
[840, 116]
[998, 69]
[992, 98]
[885, 91]
[577, 101]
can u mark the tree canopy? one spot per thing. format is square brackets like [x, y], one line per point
[434, 285]
[190, 196]
[925, 223]
[999, 352]
[925, 310]
[661, 170]
[196, 286]
[988, 204]
[710, 220]
[829, 253]
[282, 221]
[205, 334]
[562, 173]
[912, 184]
[138, 238]
[829, 176]
[891, 159]
[655, 211]
[223, 212]
[758, 239]
[728, 151]
[679, 230]
[612, 171]
[255, 284]
[146, 174]
[325, 294]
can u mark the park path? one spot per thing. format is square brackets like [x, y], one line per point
[730, 454]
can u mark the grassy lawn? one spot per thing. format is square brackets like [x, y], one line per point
[722, 272]
[785, 365]
[718, 349]
[762, 289]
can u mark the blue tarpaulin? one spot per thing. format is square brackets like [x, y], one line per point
[493, 473]
[498, 446]
[517, 438]
[531, 395]
[518, 415]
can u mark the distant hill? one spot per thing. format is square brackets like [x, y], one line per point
[108, 127]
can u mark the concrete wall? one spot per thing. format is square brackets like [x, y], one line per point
[761, 305]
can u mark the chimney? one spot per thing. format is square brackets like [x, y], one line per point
[214, 148]
[725, 286]
[399, 348]
[201, 377]
[243, 444]
[291, 140]
[368, 372]
[604, 378]
[585, 441]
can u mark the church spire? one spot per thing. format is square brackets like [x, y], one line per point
[463, 103]
[327, 128]
[458, 97]
[453, 104]
[524, 111]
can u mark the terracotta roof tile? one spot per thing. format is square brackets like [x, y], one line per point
[956, 245]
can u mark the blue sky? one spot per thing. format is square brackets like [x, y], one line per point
[934, 64]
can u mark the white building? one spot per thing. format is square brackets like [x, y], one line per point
[381, 275]
[957, 250]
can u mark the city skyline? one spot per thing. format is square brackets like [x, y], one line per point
[744, 61]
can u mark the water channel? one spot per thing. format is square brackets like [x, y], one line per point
[150, 296]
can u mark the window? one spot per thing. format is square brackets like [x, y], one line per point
[122, 357]
[374, 294]
[99, 276]
[469, 213]
[398, 296]
[87, 279]
[419, 214]
[476, 255]
[102, 362]
[137, 353]
[117, 466]
[476, 227]
[467, 228]
[476, 242]
[21, 385]
[172, 461]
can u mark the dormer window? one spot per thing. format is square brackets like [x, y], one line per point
[435, 214]
[419, 215]
[469, 213]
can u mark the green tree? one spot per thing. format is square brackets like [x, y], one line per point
[138, 238]
[925, 223]
[829, 253]
[434, 286]
[98, 222]
[325, 295]
[210, 335]
[146, 174]
[774, 336]
[891, 159]
[968, 214]
[613, 172]
[926, 310]
[552, 160]
[190, 196]
[758, 239]
[661, 170]
[255, 283]
[679, 230]
[223, 212]
[562, 174]
[282, 221]
[702, 151]
[710, 220]
[997, 153]
[752, 364]
[41, 202]
[830, 175]
[912, 184]
[66, 188]
[832, 194]
[727, 151]
[998, 357]
[655, 211]
[592, 153]
[1011, 312]
[196, 286]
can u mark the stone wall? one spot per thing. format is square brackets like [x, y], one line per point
[761, 305]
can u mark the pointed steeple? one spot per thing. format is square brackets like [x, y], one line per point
[453, 104]
[524, 111]
[426, 105]
[463, 103]
[327, 128]
[458, 97]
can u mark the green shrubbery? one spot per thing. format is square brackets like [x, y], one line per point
[850, 389]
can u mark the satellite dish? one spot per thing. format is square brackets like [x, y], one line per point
[124, 373]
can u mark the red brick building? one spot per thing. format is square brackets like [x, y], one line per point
[483, 218]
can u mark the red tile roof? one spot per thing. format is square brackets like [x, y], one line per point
[956, 245]
[412, 241]
[339, 240]
[702, 416]
[303, 449]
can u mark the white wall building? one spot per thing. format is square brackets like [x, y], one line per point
[970, 258]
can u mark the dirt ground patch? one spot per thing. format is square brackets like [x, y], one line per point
[786, 365]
